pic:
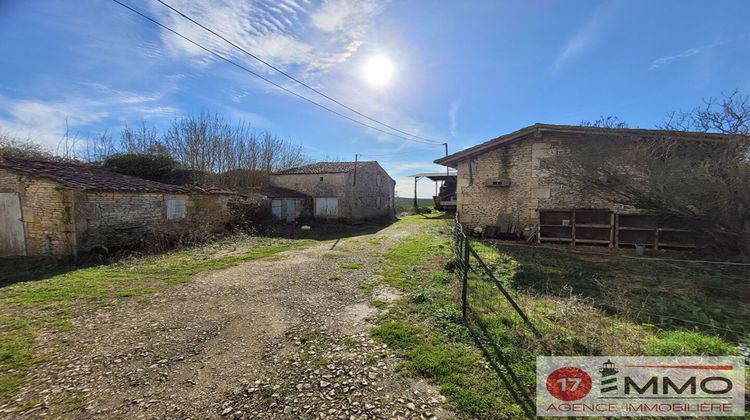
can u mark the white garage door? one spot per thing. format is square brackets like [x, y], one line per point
[12, 239]
[326, 207]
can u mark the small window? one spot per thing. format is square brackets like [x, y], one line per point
[176, 209]
[321, 179]
[379, 181]
[378, 202]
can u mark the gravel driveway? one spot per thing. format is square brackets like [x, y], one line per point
[284, 337]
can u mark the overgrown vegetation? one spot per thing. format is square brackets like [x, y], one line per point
[49, 303]
[486, 368]
[700, 182]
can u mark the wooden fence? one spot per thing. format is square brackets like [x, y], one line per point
[605, 227]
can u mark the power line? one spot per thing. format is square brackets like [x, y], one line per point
[240, 66]
[271, 66]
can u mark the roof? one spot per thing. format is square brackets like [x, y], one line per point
[277, 192]
[539, 128]
[87, 177]
[435, 176]
[325, 168]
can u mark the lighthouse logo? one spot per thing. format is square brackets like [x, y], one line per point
[641, 386]
[609, 380]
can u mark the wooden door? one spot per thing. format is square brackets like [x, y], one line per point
[291, 210]
[326, 207]
[12, 238]
[276, 209]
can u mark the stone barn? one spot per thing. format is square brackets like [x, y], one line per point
[501, 185]
[344, 191]
[60, 209]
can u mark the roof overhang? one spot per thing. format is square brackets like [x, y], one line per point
[538, 130]
[434, 176]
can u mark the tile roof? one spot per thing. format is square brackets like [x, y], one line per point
[88, 177]
[324, 168]
[276, 192]
[525, 132]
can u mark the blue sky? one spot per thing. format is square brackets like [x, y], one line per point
[464, 71]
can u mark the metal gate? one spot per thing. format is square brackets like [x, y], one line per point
[12, 238]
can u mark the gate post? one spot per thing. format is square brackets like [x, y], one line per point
[465, 278]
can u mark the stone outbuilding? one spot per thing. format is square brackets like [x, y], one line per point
[61, 209]
[501, 185]
[343, 191]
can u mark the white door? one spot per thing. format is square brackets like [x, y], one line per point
[291, 210]
[326, 207]
[276, 209]
[12, 238]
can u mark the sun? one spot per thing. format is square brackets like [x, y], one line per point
[378, 71]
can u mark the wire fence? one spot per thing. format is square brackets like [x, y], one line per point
[467, 260]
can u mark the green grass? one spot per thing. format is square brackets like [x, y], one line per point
[352, 266]
[335, 277]
[486, 368]
[49, 303]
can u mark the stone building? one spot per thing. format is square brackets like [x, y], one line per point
[346, 191]
[56, 209]
[500, 183]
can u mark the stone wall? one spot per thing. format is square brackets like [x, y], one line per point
[322, 185]
[47, 211]
[370, 198]
[530, 190]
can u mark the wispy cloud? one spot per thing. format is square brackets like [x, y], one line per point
[690, 52]
[452, 114]
[661, 61]
[290, 33]
[585, 38]
[46, 121]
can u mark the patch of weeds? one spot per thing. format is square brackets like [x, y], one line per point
[379, 304]
[309, 335]
[349, 341]
[352, 266]
[335, 277]
[687, 343]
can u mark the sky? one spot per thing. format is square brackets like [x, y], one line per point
[463, 71]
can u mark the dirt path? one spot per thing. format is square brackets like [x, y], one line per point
[284, 337]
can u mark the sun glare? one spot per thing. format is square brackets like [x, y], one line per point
[378, 71]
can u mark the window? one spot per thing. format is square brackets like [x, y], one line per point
[176, 209]
[379, 181]
[377, 202]
[321, 179]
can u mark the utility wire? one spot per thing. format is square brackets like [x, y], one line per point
[271, 66]
[240, 66]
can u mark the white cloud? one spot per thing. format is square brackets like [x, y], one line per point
[46, 121]
[286, 33]
[585, 38]
[452, 114]
[668, 59]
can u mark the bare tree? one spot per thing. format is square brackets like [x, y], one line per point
[704, 183]
[11, 146]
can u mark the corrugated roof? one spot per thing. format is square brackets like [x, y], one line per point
[88, 177]
[573, 129]
[324, 168]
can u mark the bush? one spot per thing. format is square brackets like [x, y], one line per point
[153, 167]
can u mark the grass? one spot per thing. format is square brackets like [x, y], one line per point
[486, 368]
[352, 266]
[49, 303]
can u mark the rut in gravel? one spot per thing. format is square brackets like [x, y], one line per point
[285, 337]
